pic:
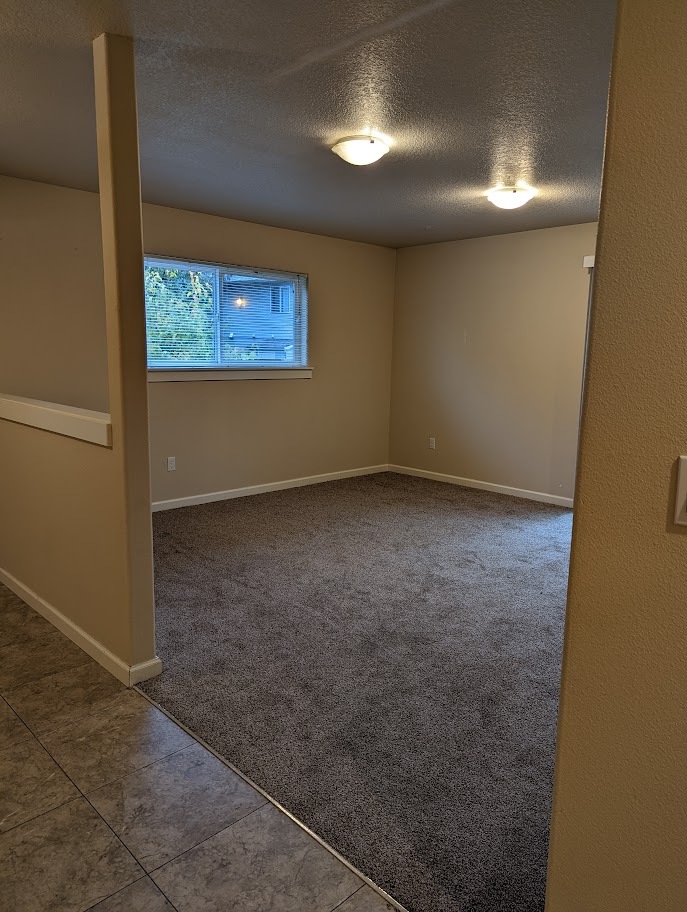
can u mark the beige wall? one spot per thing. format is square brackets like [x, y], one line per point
[52, 343]
[619, 834]
[121, 224]
[75, 535]
[223, 434]
[490, 364]
[488, 351]
[62, 531]
[231, 434]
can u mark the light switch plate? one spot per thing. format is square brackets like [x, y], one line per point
[681, 493]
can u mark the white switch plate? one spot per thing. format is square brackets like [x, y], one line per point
[171, 463]
[681, 493]
[432, 443]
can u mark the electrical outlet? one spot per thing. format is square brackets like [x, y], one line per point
[432, 443]
[171, 463]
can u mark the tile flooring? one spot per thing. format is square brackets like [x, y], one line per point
[107, 804]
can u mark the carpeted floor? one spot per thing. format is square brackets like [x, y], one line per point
[381, 655]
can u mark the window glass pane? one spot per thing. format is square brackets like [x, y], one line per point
[180, 313]
[257, 319]
[203, 315]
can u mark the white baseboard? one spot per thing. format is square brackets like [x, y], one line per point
[484, 486]
[144, 671]
[353, 473]
[127, 674]
[264, 488]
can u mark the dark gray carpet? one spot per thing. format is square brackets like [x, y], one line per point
[382, 655]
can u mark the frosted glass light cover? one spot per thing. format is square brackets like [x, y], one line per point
[510, 197]
[360, 150]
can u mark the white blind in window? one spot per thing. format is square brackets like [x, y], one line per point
[206, 315]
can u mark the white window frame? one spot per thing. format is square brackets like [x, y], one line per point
[202, 371]
[283, 306]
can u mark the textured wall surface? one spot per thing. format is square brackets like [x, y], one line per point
[619, 834]
[76, 527]
[224, 435]
[489, 337]
[239, 104]
[53, 344]
[488, 355]
[227, 435]
[62, 532]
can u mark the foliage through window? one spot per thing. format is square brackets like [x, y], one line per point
[200, 315]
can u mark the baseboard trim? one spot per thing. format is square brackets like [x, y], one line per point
[127, 674]
[264, 488]
[485, 486]
[144, 671]
[214, 496]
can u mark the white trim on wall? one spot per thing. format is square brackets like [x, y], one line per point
[144, 671]
[354, 473]
[67, 420]
[264, 488]
[127, 674]
[485, 486]
[194, 374]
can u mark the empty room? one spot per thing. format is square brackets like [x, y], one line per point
[323, 327]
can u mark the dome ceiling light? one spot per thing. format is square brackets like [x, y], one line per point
[360, 150]
[510, 197]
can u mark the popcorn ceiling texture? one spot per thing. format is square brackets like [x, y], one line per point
[239, 103]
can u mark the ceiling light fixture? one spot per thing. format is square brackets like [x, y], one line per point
[240, 302]
[360, 150]
[510, 197]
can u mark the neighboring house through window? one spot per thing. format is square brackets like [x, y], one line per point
[204, 315]
[282, 299]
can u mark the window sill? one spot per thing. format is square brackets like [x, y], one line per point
[194, 374]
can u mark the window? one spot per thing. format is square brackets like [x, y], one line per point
[201, 315]
[282, 296]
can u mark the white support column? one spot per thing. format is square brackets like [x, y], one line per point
[122, 238]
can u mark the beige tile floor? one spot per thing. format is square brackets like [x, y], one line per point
[107, 804]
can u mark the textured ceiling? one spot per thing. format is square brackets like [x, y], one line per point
[239, 102]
